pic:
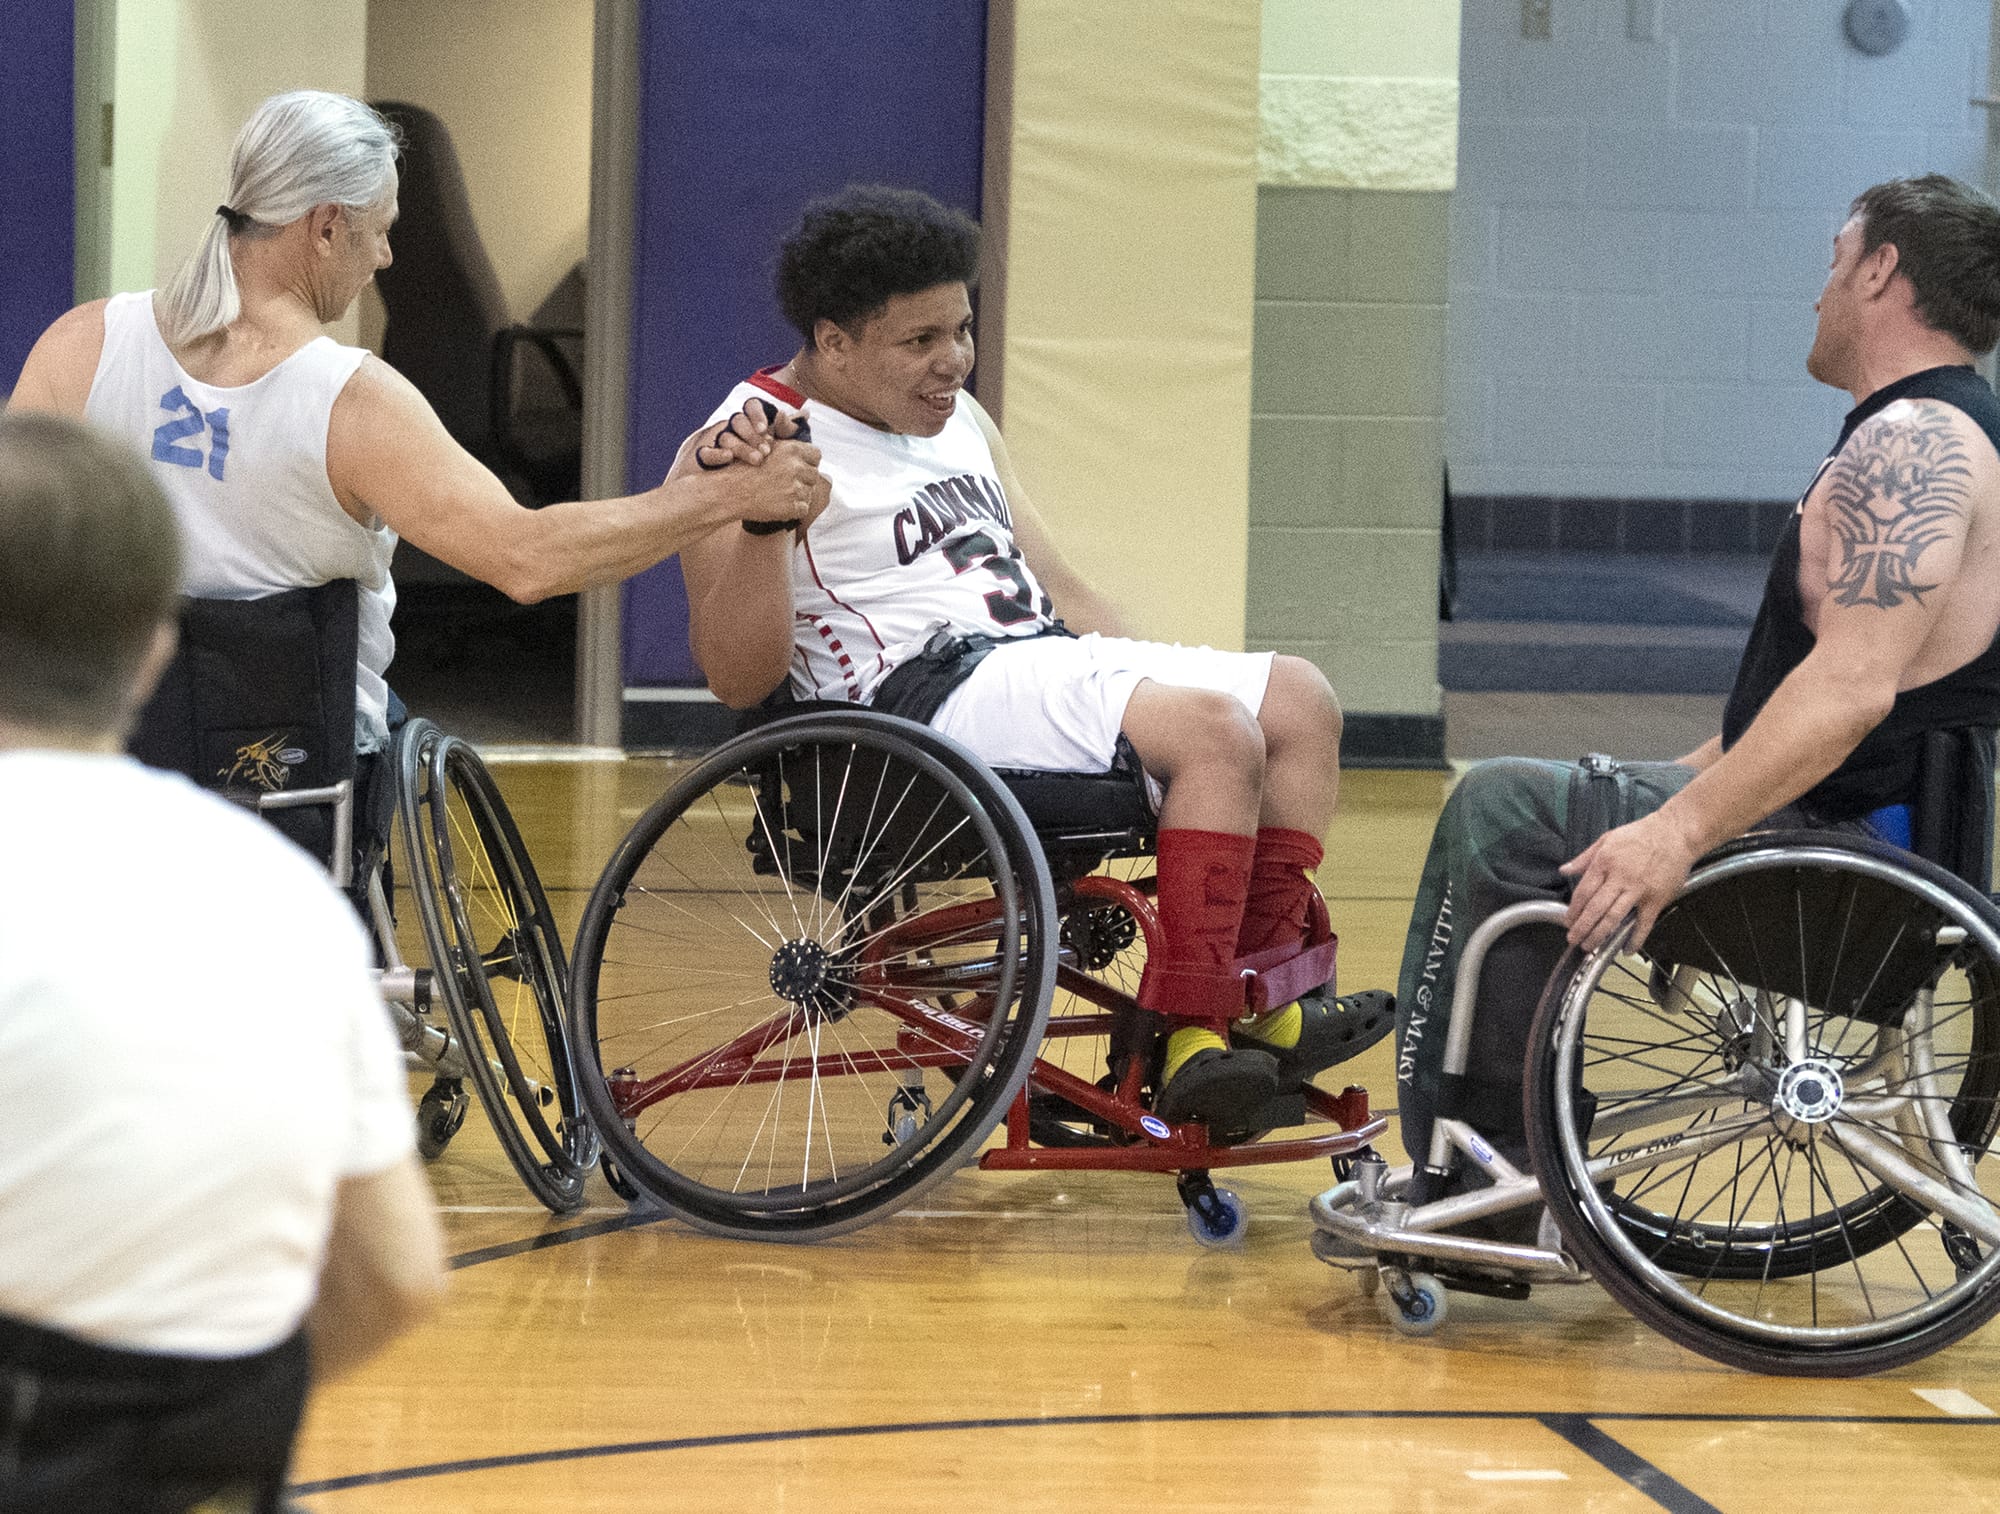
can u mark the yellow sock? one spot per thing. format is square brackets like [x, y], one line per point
[1184, 1043]
[1276, 1027]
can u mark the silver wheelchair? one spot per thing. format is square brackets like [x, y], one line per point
[1768, 1133]
[259, 706]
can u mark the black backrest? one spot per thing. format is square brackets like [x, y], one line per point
[260, 698]
[1951, 814]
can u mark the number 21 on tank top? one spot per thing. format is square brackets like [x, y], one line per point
[169, 435]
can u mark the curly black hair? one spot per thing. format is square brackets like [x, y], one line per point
[854, 251]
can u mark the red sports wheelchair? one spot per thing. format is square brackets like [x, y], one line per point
[835, 956]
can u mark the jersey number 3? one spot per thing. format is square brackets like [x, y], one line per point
[978, 550]
[167, 436]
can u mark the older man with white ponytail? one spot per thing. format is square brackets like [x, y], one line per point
[293, 461]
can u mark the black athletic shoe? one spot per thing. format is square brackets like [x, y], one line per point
[1223, 1087]
[1330, 1032]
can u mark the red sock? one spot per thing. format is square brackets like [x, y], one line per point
[1274, 910]
[1203, 878]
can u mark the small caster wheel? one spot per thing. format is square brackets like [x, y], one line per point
[1216, 1217]
[908, 1109]
[614, 1175]
[1412, 1301]
[439, 1114]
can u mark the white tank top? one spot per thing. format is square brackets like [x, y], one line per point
[245, 468]
[916, 538]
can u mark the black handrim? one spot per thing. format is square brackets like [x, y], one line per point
[485, 918]
[722, 878]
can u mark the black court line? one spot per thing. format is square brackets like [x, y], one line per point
[1577, 1429]
[1622, 1461]
[550, 1238]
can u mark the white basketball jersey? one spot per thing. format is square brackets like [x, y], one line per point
[245, 469]
[916, 539]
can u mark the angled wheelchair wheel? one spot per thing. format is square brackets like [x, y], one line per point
[1767, 1133]
[497, 960]
[811, 978]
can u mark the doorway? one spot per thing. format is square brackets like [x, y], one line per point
[485, 311]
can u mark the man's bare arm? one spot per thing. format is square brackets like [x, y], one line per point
[384, 1268]
[740, 586]
[1704, 756]
[62, 363]
[1082, 607]
[388, 455]
[740, 612]
[1899, 502]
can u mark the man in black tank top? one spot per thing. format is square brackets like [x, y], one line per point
[1877, 632]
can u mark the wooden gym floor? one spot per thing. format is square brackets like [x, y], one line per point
[1057, 1341]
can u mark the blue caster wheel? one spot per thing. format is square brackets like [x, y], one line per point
[1413, 1301]
[1216, 1216]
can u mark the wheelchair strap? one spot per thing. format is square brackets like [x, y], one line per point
[1953, 806]
[1600, 800]
[917, 687]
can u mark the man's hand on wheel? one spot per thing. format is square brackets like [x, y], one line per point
[1636, 869]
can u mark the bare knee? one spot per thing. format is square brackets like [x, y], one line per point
[1300, 708]
[1180, 732]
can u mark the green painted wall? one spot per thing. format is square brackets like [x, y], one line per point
[1357, 160]
[1346, 439]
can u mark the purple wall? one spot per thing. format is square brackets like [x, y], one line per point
[37, 151]
[747, 113]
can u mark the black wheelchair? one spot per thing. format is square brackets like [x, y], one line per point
[259, 705]
[1768, 1133]
[840, 952]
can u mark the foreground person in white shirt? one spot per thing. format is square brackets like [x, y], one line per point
[208, 1193]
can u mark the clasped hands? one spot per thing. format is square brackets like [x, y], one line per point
[780, 485]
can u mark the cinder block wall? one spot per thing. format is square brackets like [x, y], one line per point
[1346, 450]
[1347, 394]
[1643, 218]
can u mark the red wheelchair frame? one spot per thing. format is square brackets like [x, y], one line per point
[1271, 979]
[876, 982]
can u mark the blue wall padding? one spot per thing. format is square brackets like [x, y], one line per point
[747, 112]
[37, 164]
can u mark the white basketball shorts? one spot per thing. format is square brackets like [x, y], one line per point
[1056, 703]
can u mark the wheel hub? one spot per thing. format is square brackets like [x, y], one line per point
[800, 972]
[1098, 935]
[1810, 1091]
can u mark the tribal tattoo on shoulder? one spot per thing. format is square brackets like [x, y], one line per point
[1902, 489]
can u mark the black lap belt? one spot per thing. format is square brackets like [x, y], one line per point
[917, 687]
[1600, 800]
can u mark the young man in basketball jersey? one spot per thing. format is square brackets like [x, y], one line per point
[1877, 629]
[927, 540]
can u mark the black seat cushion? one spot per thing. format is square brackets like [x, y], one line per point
[1079, 818]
